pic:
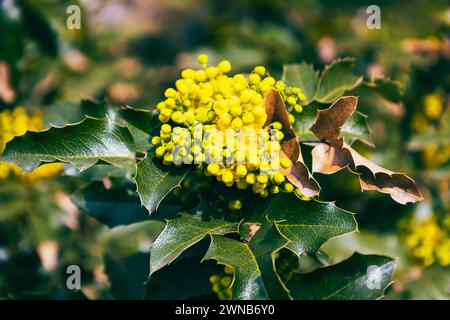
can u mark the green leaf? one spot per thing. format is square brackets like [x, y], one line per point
[302, 76]
[184, 231]
[361, 277]
[336, 79]
[387, 88]
[141, 123]
[113, 207]
[308, 224]
[355, 128]
[253, 263]
[82, 144]
[154, 181]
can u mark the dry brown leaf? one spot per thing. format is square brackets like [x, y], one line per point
[298, 174]
[328, 159]
[329, 122]
[334, 155]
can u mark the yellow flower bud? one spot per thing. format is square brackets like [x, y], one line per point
[285, 163]
[224, 66]
[235, 205]
[213, 168]
[288, 187]
[160, 151]
[166, 128]
[203, 59]
[237, 123]
[241, 170]
[260, 70]
[250, 178]
[298, 108]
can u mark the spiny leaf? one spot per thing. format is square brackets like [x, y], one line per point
[387, 88]
[82, 144]
[302, 76]
[183, 232]
[308, 224]
[335, 155]
[336, 79]
[253, 263]
[298, 174]
[361, 277]
[141, 123]
[154, 181]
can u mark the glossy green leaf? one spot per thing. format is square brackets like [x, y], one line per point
[308, 224]
[82, 144]
[336, 79]
[154, 181]
[302, 76]
[141, 123]
[253, 263]
[387, 88]
[361, 277]
[184, 231]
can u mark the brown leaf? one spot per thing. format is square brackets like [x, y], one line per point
[328, 159]
[329, 122]
[334, 154]
[298, 174]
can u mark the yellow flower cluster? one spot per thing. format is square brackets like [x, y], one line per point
[221, 284]
[434, 155]
[429, 242]
[205, 105]
[16, 123]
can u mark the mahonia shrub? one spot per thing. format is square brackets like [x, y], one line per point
[219, 167]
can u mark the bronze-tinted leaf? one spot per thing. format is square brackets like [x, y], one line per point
[334, 154]
[329, 122]
[298, 174]
[328, 159]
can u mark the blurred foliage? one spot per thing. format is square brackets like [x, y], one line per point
[127, 52]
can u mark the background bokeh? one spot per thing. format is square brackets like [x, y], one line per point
[129, 51]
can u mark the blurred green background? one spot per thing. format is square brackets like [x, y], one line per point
[129, 51]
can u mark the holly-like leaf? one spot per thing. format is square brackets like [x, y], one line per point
[141, 123]
[112, 207]
[308, 224]
[334, 154]
[361, 277]
[154, 181]
[302, 76]
[184, 231]
[253, 263]
[82, 144]
[387, 88]
[336, 79]
[298, 174]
